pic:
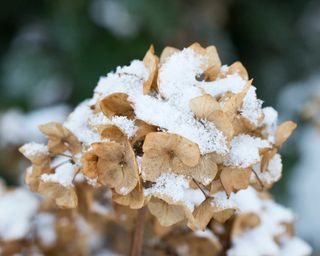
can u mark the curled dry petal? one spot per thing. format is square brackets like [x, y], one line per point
[116, 166]
[135, 199]
[233, 105]
[234, 179]
[283, 132]
[212, 65]
[244, 222]
[167, 214]
[206, 170]
[113, 133]
[165, 152]
[60, 138]
[238, 68]
[266, 157]
[117, 104]
[64, 197]
[208, 210]
[151, 62]
[207, 107]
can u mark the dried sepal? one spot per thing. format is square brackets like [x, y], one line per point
[212, 64]
[143, 129]
[238, 68]
[234, 179]
[266, 157]
[208, 108]
[206, 170]
[243, 223]
[207, 210]
[165, 152]
[167, 214]
[64, 197]
[113, 133]
[283, 132]
[234, 103]
[151, 62]
[135, 199]
[117, 104]
[114, 165]
[60, 139]
[166, 53]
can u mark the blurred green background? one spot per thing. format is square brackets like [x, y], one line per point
[54, 51]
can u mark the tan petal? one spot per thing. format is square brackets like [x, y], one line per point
[233, 105]
[60, 138]
[164, 152]
[90, 160]
[238, 68]
[117, 104]
[215, 186]
[64, 197]
[206, 170]
[203, 106]
[266, 157]
[166, 214]
[143, 129]
[135, 199]
[244, 222]
[113, 133]
[283, 132]
[151, 61]
[234, 179]
[166, 53]
[110, 151]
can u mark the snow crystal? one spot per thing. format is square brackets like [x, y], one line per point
[251, 107]
[295, 247]
[270, 123]
[273, 172]
[245, 150]
[35, 149]
[221, 200]
[78, 124]
[126, 125]
[17, 209]
[63, 175]
[176, 187]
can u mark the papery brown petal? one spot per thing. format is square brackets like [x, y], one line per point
[266, 157]
[166, 214]
[135, 199]
[117, 104]
[234, 179]
[206, 170]
[64, 197]
[238, 68]
[151, 62]
[90, 160]
[202, 106]
[283, 132]
[113, 133]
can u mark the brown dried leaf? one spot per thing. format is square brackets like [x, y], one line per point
[283, 132]
[151, 62]
[60, 138]
[166, 151]
[234, 179]
[117, 104]
[113, 133]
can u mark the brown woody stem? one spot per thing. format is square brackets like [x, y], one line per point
[137, 240]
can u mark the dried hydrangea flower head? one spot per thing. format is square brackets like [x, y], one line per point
[174, 133]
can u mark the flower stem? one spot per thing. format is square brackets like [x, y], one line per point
[137, 242]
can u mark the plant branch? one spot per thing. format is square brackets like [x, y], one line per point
[137, 239]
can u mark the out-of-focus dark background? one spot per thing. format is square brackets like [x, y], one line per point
[53, 52]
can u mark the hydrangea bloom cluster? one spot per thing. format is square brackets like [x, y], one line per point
[181, 135]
